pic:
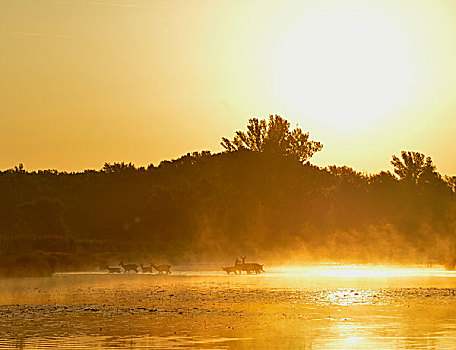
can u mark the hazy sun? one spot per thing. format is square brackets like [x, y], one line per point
[345, 68]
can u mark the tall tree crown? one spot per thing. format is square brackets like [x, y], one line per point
[275, 137]
[414, 167]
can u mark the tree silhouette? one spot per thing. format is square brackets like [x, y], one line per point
[414, 167]
[273, 137]
[451, 183]
[205, 207]
[118, 167]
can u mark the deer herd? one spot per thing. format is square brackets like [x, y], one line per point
[134, 268]
[239, 266]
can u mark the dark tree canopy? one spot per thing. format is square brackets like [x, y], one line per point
[118, 167]
[273, 137]
[414, 167]
[43, 216]
[204, 207]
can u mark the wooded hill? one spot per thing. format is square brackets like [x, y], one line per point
[260, 197]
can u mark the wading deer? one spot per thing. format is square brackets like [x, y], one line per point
[230, 269]
[129, 267]
[162, 268]
[254, 267]
[249, 267]
[146, 268]
[113, 269]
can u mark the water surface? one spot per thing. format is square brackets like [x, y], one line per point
[323, 307]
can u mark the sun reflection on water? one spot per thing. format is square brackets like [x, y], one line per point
[303, 307]
[363, 271]
[344, 297]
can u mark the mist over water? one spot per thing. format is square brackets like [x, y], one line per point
[315, 307]
[245, 243]
[202, 212]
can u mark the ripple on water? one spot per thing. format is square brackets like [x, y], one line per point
[80, 312]
[130, 342]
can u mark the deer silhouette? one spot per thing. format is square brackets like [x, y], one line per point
[230, 269]
[146, 268]
[249, 267]
[162, 268]
[113, 269]
[129, 267]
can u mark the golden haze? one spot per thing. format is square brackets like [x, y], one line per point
[88, 82]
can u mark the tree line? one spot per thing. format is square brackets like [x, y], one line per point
[259, 197]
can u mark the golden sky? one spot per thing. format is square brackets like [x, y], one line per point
[83, 82]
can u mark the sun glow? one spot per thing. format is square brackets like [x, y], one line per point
[345, 68]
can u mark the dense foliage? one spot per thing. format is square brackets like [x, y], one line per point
[206, 207]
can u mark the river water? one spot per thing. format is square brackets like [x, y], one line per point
[318, 307]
